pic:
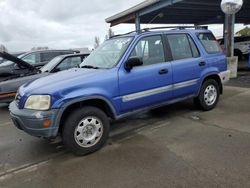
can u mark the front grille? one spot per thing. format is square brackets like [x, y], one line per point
[17, 99]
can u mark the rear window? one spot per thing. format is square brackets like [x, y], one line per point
[209, 42]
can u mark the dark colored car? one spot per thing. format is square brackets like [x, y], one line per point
[9, 87]
[35, 58]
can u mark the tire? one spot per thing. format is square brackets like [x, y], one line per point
[85, 130]
[208, 96]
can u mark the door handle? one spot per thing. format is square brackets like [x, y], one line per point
[202, 64]
[163, 71]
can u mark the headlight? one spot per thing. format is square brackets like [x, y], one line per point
[38, 102]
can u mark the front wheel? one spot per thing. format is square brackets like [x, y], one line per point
[208, 96]
[85, 130]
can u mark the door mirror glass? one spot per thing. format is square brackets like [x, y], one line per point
[133, 62]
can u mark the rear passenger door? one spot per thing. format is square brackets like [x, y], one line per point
[187, 64]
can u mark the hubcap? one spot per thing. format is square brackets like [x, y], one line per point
[210, 95]
[88, 132]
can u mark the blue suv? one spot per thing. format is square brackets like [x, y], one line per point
[126, 74]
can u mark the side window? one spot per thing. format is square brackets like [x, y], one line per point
[180, 47]
[75, 61]
[65, 52]
[68, 63]
[55, 54]
[150, 49]
[32, 58]
[47, 56]
[209, 42]
[194, 48]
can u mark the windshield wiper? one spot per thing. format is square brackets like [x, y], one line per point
[89, 67]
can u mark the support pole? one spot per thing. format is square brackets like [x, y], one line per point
[232, 62]
[137, 23]
[232, 35]
[225, 26]
[230, 22]
[229, 35]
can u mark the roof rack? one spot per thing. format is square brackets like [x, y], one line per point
[197, 27]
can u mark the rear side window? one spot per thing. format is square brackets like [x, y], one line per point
[180, 46]
[49, 56]
[209, 42]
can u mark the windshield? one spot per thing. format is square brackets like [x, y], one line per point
[7, 63]
[48, 67]
[108, 54]
[22, 55]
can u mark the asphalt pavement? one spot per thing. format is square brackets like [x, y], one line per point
[174, 146]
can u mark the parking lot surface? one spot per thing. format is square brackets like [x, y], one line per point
[175, 146]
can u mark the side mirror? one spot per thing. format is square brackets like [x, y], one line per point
[133, 62]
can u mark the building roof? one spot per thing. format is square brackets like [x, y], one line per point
[178, 12]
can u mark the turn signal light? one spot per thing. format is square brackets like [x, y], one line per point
[47, 123]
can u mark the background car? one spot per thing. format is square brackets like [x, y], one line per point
[8, 88]
[35, 58]
[241, 46]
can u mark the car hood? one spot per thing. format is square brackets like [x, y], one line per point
[64, 82]
[16, 60]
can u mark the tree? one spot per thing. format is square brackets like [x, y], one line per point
[40, 48]
[3, 48]
[97, 42]
[244, 32]
[110, 34]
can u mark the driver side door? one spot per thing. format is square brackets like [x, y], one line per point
[149, 84]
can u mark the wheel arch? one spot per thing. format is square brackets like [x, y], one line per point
[97, 101]
[215, 77]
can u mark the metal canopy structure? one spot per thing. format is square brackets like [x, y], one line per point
[196, 12]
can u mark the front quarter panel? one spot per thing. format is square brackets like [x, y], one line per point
[104, 87]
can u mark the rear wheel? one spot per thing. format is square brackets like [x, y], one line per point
[86, 130]
[208, 96]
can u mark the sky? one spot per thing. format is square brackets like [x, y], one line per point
[61, 24]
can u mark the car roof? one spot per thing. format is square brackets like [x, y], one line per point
[35, 51]
[164, 30]
[74, 55]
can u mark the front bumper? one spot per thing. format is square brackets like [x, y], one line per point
[31, 121]
[225, 76]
